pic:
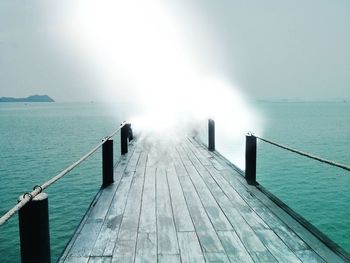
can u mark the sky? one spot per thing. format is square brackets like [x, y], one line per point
[269, 49]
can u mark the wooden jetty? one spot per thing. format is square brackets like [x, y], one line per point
[188, 204]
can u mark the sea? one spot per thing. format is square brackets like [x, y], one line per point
[38, 140]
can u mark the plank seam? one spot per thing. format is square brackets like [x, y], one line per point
[219, 186]
[143, 187]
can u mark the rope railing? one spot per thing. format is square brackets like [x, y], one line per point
[27, 197]
[250, 177]
[308, 155]
[251, 153]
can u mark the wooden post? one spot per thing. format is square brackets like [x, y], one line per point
[211, 135]
[107, 163]
[34, 230]
[124, 134]
[130, 133]
[250, 160]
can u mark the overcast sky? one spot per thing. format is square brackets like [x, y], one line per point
[270, 49]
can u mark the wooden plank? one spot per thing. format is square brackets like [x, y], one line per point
[242, 207]
[288, 236]
[177, 162]
[85, 247]
[234, 247]
[291, 237]
[141, 165]
[210, 157]
[71, 243]
[205, 157]
[86, 238]
[246, 234]
[194, 146]
[197, 159]
[183, 156]
[166, 233]
[190, 249]
[216, 258]
[100, 259]
[217, 217]
[73, 259]
[126, 242]
[108, 235]
[169, 258]
[201, 147]
[183, 221]
[218, 163]
[276, 246]
[148, 208]
[129, 225]
[193, 141]
[188, 205]
[205, 230]
[217, 191]
[320, 248]
[121, 165]
[146, 250]
[132, 164]
[311, 240]
[100, 210]
[124, 252]
[309, 256]
[263, 257]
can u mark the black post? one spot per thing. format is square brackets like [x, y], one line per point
[107, 163]
[250, 159]
[34, 230]
[211, 135]
[130, 133]
[124, 134]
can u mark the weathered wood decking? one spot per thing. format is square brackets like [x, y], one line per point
[188, 205]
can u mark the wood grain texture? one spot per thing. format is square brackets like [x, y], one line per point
[186, 204]
[146, 250]
[190, 249]
[182, 216]
[166, 232]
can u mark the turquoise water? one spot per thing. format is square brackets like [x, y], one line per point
[319, 192]
[39, 140]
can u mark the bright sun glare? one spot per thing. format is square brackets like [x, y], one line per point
[138, 49]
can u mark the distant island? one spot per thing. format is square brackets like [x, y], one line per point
[34, 98]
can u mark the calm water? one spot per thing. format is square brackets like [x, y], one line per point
[38, 140]
[319, 192]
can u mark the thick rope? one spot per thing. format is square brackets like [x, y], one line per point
[38, 189]
[339, 165]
